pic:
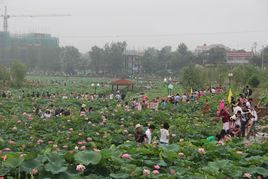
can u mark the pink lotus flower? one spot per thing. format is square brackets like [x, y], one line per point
[89, 139]
[127, 156]
[80, 168]
[19, 121]
[82, 114]
[50, 142]
[34, 171]
[96, 150]
[30, 127]
[157, 167]
[23, 146]
[146, 172]
[247, 175]
[80, 143]
[220, 143]
[24, 114]
[83, 147]
[156, 172]
[65, 146]
[201, 151]
[1, 152]
[30, 117]
[4, 157]
[71, 129]
[7, 149]
[104, 120]
[11, 142]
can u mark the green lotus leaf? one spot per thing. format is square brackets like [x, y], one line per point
[28, 165]
[55, 168]
[119, 175]
[88, 157]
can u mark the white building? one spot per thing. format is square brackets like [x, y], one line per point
[238, 57]
[205, 48]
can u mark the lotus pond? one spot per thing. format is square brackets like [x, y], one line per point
[78, 146]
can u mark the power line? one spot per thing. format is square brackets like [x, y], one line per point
[166, 35]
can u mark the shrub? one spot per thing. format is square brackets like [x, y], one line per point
[254, 81]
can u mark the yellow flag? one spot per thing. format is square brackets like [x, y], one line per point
[230, 96]
[191, 90]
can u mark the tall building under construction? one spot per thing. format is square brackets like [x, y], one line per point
[13, 46]
[27, 40]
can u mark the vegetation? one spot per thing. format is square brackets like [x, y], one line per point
[81, 146]
[109, 60]
[15, 75]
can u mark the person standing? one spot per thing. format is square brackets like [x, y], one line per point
[177, 99]
[164, 138]
[244, 120]
[148, 133]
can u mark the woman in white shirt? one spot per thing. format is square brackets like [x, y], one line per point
[164, 138]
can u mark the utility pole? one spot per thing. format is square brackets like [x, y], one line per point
[262, 67]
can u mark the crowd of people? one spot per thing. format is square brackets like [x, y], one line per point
[146, 137]
[239, 120]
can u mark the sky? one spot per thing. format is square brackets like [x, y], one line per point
[144, 23]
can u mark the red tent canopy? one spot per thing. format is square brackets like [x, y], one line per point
[123, 82]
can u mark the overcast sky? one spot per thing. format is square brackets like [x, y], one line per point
[145, 23]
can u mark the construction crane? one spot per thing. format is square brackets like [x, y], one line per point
[6, 16]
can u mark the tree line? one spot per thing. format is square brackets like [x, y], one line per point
[109, 59]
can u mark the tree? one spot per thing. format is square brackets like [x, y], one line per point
[70, 57]
[4, 73]
[182, 49]
[149, 61]
[114, 57]
[18, 72]
[181, 57]
[97, 59]
[217, 55]
[192, 78]
[257, 58]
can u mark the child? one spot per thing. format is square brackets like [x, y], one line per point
[148, 133]
[236, 131]
[164, 139]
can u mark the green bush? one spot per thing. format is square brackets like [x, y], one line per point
[254, 81]
[18, 73]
